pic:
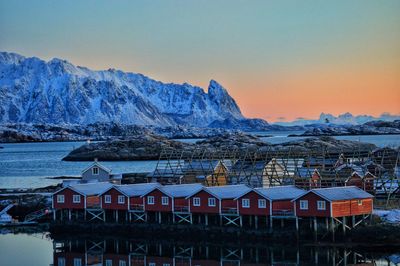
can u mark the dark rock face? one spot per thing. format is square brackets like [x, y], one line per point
[144, 147]
[149, 147]
[369, 128]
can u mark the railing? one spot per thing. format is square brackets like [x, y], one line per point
[283, 213]
[229, 211]
[136, 207]
[181, 209]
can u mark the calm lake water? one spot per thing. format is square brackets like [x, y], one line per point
[24, 165]
[40, 249]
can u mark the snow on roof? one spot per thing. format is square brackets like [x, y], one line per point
[342, 193]
[89, 189]
[355, 168]
[229, 191]
[184, 190]
[137, 189]
[280, 192]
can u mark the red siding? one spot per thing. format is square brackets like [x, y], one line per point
[180, 203]
[204, 208]
[157, 194]
[355, 180]
[254, 209]
[68, 204]
[351, 207]
[114, 205]
[282, 205]
[312, 206]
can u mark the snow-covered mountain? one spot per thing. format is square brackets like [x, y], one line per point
[343, 119]
[57, 92]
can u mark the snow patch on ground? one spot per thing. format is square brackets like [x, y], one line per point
[390, 216]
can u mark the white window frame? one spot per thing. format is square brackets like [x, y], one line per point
[245, 203]
[76, 198]
[359, 202]
[321, 205]
[164, 200]
[152, 264]
[303, 204]
[196, 202]
[121, 263]
[262, 203]
[77, 262]
[150, 200]
[60, 199]
[121, 199]
[95, 172]
[212, 202]
[109, 262]
[107, 199]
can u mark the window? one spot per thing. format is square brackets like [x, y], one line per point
[150, 200]
[196, 201]
[211, 202]
[122, 263]
[245, 203]
[61, 261]
[321, 205]
[166, 264]
[262, 203]
[60, 198]
[303, 204]
[77, 262]
[107, 199]
[121, 199]
[76, 198]
[152, 264]
[109, 263]
[359, 202]
[164, 200]
[95, 170]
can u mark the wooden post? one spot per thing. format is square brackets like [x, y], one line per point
[333, 229]
[69, 214]
[271, 223]
[241, 221]
[256, 222]
[344, 225]
[251, 220]
[54, 215]
[282, 223]
[315, 228]
[159, 217]
[353, 221]
[206, 218]
[297, 224]
[116, 216]
[104, 216]
[327, 224]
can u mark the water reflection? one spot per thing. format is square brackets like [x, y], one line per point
[113, 252]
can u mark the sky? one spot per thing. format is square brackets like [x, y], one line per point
[280, 60]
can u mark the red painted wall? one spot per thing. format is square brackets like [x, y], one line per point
[114, 200]
[351, 207]
[282, 205]
[115, 258]
[136, 200]
[312, 206]
[181, 202]
[253, 210]
[68, 204]
[204, 208]
[157, 202]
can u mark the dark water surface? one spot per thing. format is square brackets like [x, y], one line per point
[40, 249]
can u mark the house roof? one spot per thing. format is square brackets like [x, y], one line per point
[184, 190]
[98, 165]
[135, 190]
[229, 191]
[280, 192]
[305, 172]
[340, 193]
[90, 189]
[355, 168]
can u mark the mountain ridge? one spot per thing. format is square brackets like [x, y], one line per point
[58, 92]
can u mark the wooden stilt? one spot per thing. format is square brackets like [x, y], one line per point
[206, 218]
[69, 214]
[344, 225]
[256, 222]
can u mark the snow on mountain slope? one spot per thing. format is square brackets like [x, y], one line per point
[57, 92]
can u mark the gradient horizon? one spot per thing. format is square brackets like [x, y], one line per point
[280, 60]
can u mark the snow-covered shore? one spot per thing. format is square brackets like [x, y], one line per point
[390, 216]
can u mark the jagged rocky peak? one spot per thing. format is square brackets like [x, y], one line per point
[58, 92]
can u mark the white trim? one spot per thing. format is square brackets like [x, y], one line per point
[247, 205]
[121, 197]
[150, 202]
[259, 205]
[98, 165]
[59, 197]
[74, 199]
[107, 199]
[195, 203]
[164, 200]
[303, 207]
[321, 205]
[212, 205]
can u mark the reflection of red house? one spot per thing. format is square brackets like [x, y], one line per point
[333, 202]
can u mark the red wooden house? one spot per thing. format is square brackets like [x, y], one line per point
[157, 200]
[280, 199]
[204, 201]
[180, 194]
[253, 203]
[114, 199]
[333, 202]
[227, 196]
[135, 192]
